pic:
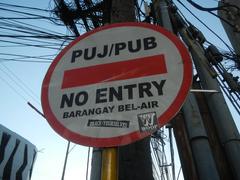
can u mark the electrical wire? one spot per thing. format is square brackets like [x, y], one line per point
[226, 5]
[158, 142]
[31, 45]
[230, 97]
[204, 24]
[37, 36]
[25, 61]
[43, 57]
[24, 7]
[228, 57]
[27, 38]
[14, 89]
[209, 10]
[23, 13]
[32, 28]
[24, 18]
[19, 83]
[225, 88]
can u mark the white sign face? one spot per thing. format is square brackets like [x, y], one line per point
[116, 84]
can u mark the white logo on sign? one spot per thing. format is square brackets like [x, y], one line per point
[147, 121]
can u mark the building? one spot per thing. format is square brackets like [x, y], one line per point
[17, 156]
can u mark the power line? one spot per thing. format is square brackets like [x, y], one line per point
[31, 45]
[25, 7]
[43, 57]
[26, 18]
[19, 83]
[234, 57]
[51, 42]
[11, 87]
[37, 36]
[25, 61]
[29, 28]
[230, 49]
[23, 13]
[209, 10]
[226, 5]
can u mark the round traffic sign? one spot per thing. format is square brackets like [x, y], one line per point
[116, 84]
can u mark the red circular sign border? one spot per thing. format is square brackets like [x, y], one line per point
[134, 136]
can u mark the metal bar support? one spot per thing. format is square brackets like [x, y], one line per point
[109, 164]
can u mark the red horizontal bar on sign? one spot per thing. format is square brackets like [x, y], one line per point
[123, 70]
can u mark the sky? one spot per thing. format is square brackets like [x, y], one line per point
[20, 118]
[21, 83]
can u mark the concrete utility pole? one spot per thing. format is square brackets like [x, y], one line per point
[201, 150]
[198, 138]
[224, 123]
[134, 160]
[231, 13]
[122, 11]
[184, 149]
[216, 146]
[178, 123]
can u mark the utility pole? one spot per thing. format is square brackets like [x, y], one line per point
[160, 11]
[204, 161]
[231, 23]
[184, 148]
[224, 123]
[134, 160]
[171, 151]
[216, 146]
[65, 161]
[198, 139]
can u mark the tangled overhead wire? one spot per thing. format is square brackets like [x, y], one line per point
[222, 7]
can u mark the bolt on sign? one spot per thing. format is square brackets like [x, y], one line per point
[116, 84]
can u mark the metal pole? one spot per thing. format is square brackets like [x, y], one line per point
[109, 164]
[88, 162]
[203, 157]
[225, 125]
[96, 164]
[65, 161]
[171, 151]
